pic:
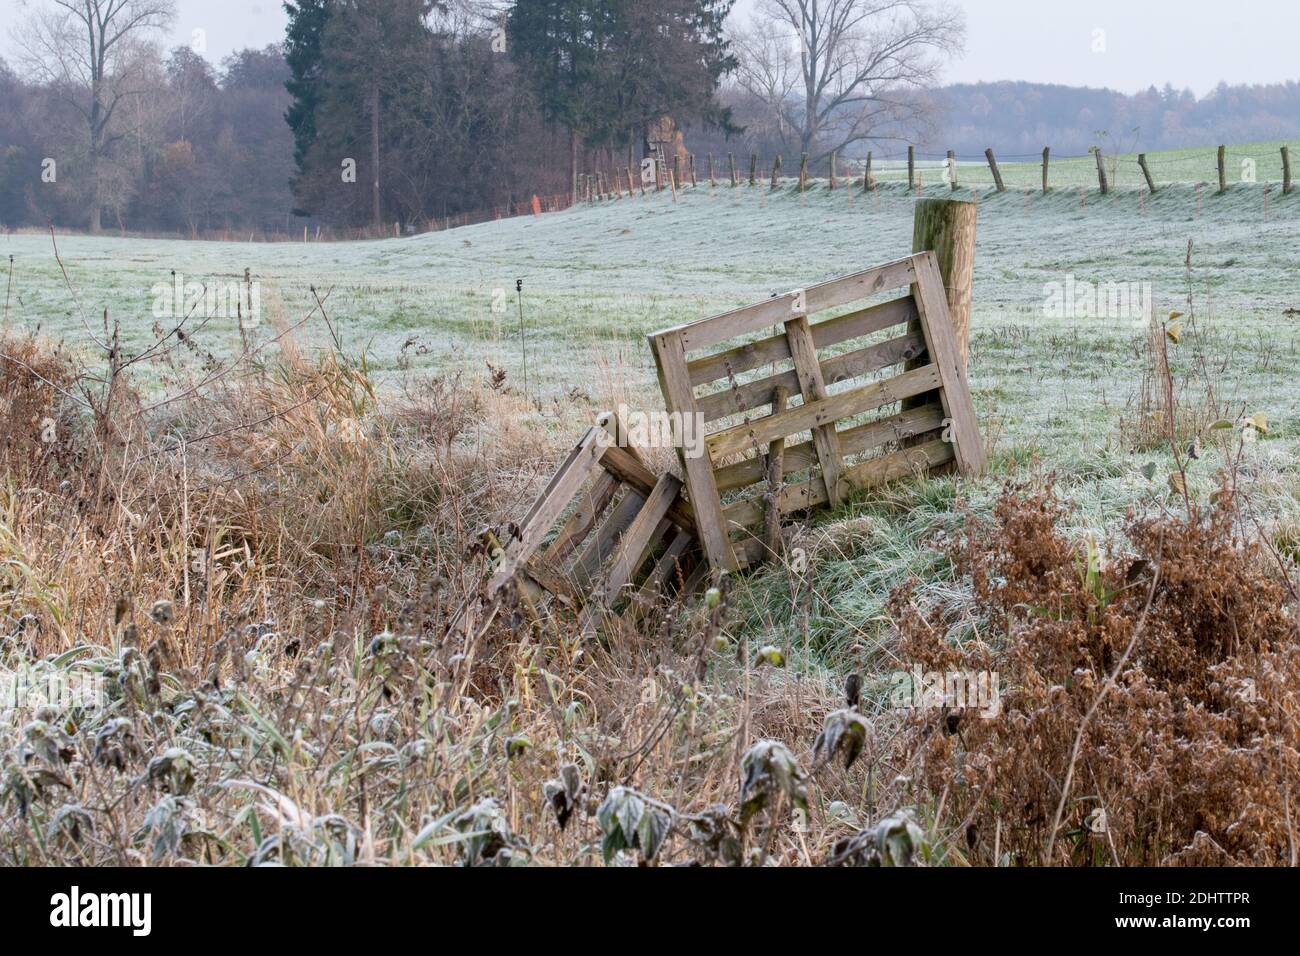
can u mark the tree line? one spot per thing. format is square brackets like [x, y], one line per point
[377, 114]
[372, 112]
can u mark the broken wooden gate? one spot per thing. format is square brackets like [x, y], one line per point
[933, 425]
[621, 536]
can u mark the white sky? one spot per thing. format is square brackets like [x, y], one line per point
[1189, 43]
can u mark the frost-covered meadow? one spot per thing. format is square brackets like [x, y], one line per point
[1056, 392]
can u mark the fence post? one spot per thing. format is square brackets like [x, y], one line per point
[832, 170]
[692, 165]
[866, 176]
[947, 226]
[993, 165]
[775, 479]
[753, 169]
[803, 172]
[911, 167]
[776, 169]
[731, 158]
[1286, 170]
[1146, 171]
[1101, 172]
[952, 169]
[1223, 169]
[1047, 158]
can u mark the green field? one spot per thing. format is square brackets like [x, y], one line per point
[1053, 393]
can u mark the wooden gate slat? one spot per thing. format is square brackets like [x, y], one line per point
[853, 441]
[813, 388]
[941, 343]
[634, 546]
[670, 358]
[812, 415]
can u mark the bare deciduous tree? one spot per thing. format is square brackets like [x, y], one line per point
[88, 50]
[836, 71]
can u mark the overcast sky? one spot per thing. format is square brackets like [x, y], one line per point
[1189, 43]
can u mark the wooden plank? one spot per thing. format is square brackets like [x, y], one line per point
[829, 332]
[750, 551]
[670, 359]
[825, 412]
[551, 580]
[634, 546]
[853, 441]
[867, 474]
[778, 309]
[813, 388]
[584, 518]
[756, 394]
[672, 562]
[632, 472]
[564, 485]
[605, 541]
[775, 479]
[945, 355]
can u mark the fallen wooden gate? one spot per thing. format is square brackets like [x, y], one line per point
[629, 536]
[935, 424]
[628, 540]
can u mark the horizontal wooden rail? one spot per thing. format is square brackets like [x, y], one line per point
[774, 311]
[825, 412]
[844, 328]
[752, 395]
[853, 441]
[868, 474]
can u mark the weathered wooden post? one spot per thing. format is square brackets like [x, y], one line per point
[677, 168]
[803, 172]
[1101, 172]
[1223, 169]
[1286, 170]
[993, 165]
[832, 170]
[1146, 172]
[731, 158]
[711, 182]
[866, 176]
[753, 169]
[775, 479]
[776, 170]
[911, 167]
[1047, 158]
[952, 169]
[947, 226]
[692, 165]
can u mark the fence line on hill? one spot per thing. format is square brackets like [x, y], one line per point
[657, 175]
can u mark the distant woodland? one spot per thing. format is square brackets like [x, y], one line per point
[405, 111]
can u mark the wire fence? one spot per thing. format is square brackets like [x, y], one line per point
[1260, 164]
